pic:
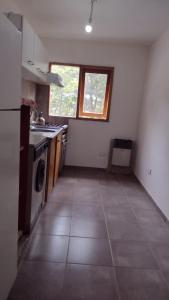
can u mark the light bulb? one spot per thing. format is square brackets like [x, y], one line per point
[88, 28]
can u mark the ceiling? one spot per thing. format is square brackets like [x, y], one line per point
[138, 21]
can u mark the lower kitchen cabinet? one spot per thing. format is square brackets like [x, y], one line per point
[51, 165]
[54, 156]
[57, 157]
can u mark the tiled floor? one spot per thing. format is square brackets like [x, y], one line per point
[99, 238]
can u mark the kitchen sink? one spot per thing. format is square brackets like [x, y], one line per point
[43, 130]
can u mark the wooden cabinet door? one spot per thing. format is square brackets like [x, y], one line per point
[51, 164]
[57, 156]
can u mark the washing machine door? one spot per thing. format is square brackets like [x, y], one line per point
[40, 175]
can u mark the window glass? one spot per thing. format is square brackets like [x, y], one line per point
[94, 93]
[63, 101]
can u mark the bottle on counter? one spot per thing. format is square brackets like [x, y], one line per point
[40, 120]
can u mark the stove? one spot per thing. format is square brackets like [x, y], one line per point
[54, 125]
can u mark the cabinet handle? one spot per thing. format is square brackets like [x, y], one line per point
[40, 71]
[30, 62]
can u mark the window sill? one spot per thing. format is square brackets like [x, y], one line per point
[80, 118]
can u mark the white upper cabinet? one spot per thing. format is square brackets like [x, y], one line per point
[40, 56]
[34, 56]
[10, 65]
[28, 44]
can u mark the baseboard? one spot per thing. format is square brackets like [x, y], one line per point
[115, 169]
[84, 168]
[166, 220]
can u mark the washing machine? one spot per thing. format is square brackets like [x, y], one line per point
[36, 182]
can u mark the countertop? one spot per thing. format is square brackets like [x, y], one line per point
[36, 138]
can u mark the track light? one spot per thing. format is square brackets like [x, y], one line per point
[89, 27]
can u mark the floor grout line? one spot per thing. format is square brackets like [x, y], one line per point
[107, 238]
[112, 257]
[158, 263]
[149, 245]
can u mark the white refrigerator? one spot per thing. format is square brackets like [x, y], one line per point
[10, 94]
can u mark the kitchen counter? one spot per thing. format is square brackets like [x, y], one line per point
[36, 138]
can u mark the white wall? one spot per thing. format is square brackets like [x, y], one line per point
[153, 135]
[28, 89]
[89, 141]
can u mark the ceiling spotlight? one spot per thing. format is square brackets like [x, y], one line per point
[88, 27]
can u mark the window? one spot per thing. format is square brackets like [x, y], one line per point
[63, 101]
[86, 94]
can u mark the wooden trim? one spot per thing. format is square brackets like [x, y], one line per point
[92, 119]
[80, 66]
[81, 92]
[49, 91]
[78, 98]
[51, 165]
[108, 92]
[58, 148]
[109, 71]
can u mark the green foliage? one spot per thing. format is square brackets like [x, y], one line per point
[63, 101]
[95, 87]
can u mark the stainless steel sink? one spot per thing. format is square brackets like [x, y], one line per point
[43, 130]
